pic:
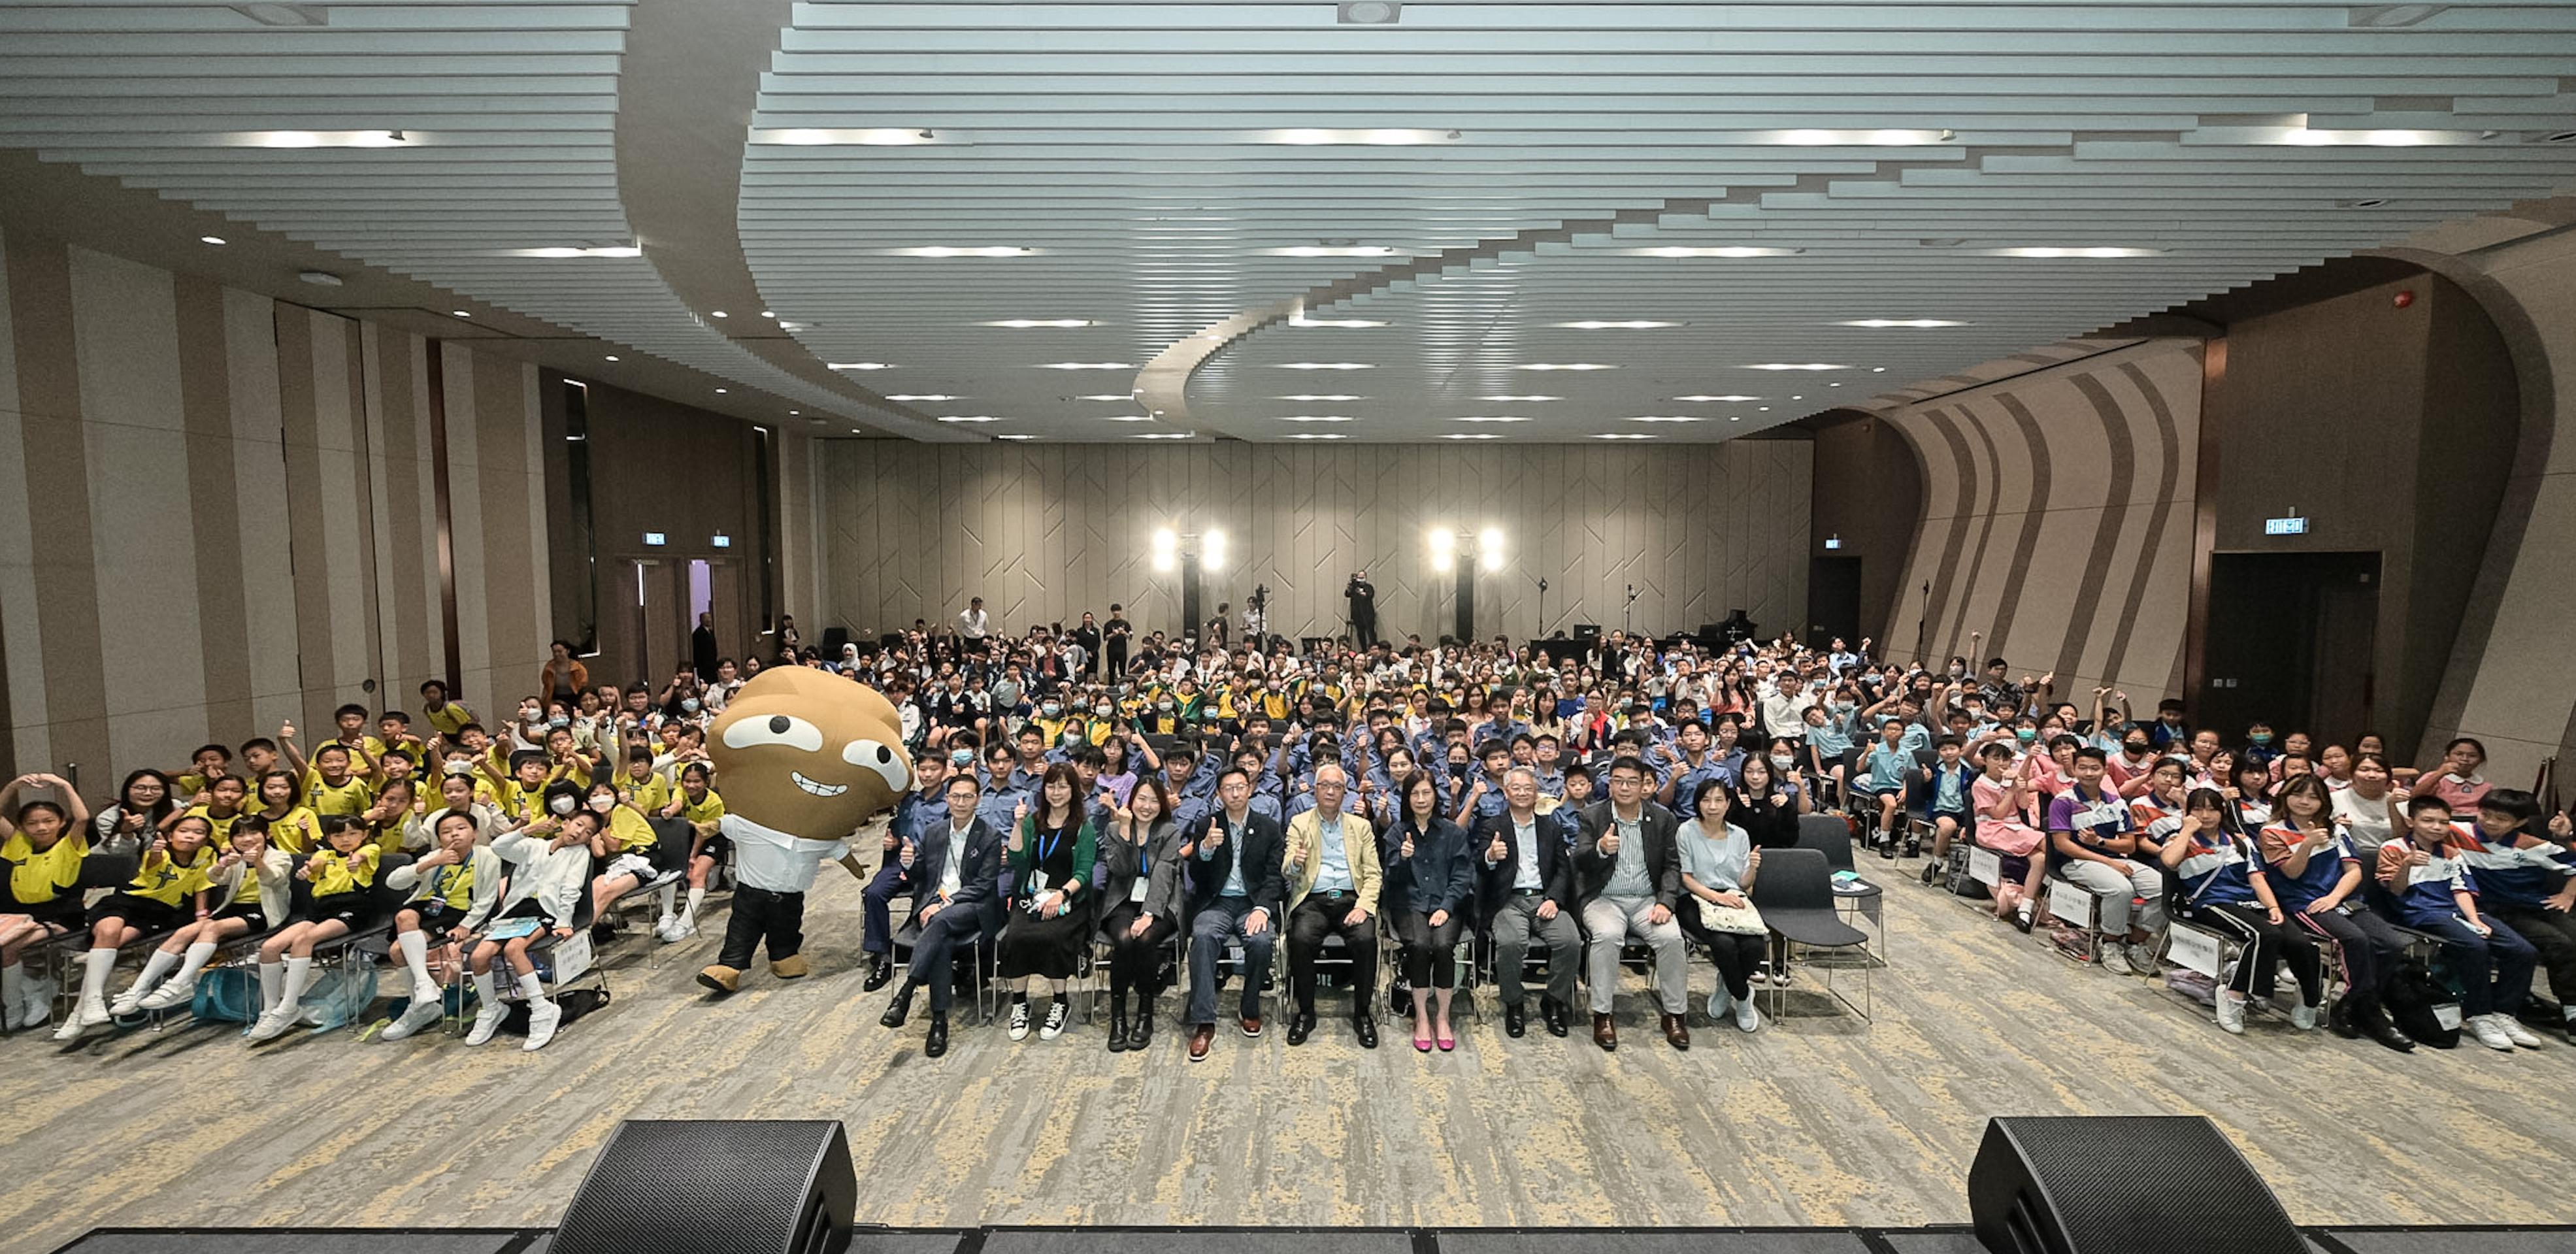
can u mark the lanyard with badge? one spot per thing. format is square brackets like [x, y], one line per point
[1046, 851]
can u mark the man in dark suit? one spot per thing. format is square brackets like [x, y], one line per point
[1235, 861]
[1525, 890]
[955, 867]
[1628, 879]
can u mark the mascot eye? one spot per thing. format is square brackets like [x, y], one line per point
[777, 729]
[879, 757]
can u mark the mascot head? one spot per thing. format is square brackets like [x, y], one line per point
[808, 753]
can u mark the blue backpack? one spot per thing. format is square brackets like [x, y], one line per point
[227, 995]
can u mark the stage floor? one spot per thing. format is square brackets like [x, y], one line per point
[1818, 1121]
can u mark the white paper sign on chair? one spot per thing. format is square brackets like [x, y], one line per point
[2070, 903]
[2194, 950]
[1985, 866]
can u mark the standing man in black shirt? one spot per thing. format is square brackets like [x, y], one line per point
[1114, 642]
[1363, 598]
[1088, 636]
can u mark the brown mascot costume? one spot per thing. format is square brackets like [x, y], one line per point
[805, 757]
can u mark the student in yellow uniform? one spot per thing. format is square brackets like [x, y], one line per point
[518, 794]
[340, 874]
[643, 787]
[225, 803]
[168, 889]
[452, 887]
[333, 787]
[42, 844]
[292, 825]
[250, 887]
[698, 803]
[447, 718]
[550, 860]
[393, 731]
[623, 850]
[204, 765]
[397, 803]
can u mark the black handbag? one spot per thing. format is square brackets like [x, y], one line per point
[2421, 1004]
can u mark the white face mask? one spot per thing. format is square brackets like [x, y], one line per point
[603, 804]
[561, 805]
[1782, 761]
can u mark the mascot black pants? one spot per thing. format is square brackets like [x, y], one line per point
[760, 914]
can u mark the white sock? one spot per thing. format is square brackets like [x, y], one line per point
[697, 897]
[272, 985]
[198, 956]
[299, 976]
[415, 951]
[98, 962]
[154, 968]
[534, 988]
[487, 991]
[669, 896]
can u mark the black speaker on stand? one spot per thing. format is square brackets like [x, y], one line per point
[715, 1186]
[2078, 1185]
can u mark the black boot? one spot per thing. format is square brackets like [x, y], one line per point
[1140, 1031]
[880, 973]
[936, 1043]
[2374, 1023]
[901, 1008]
[1118, 1021]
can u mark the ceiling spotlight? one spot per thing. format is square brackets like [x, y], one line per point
[611, 357]
[1728, 250]
[919, 396]
[565, 250]
[1332, 250]
[319, 139]
[1130, 417]
[210, 239]
[1314, 418]
[1877, 324]
[1878, 370]
[970, 418]
[1326, 365]
[1637, 325]
[1522, 398]
[1474, 435]
[873, 136]
[461, 313]
[1575, 365]
[1368, 13]
[720, 391]
[1086, 365]
[2050, 253]
[1317, 435]
[1025, 324]
[1708, 399]
[1013, 435]
[1165, 435]
[859, 365]
[1320, 396]
[1797, 365]
[1104, 396]
[766, 314]
[943, 250]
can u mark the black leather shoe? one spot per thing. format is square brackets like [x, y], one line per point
[1300, 1026]
[1365, 1029]
[1399, 999]
[2377, 1026]
[1141, 1032]
[1515, 1020]
[1118, 1029]
[1554, 1016]
[900, 1009]
[880, 973]
[936, 1043]
[2340, 1020]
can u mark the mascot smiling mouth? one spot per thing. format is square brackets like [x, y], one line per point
[817, 788]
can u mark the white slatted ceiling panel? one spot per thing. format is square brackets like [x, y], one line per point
[1133, 146]
[511, 108]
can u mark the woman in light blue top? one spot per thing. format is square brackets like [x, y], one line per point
[1719, 862]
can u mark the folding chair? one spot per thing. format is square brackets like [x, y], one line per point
[2079, 907]
[1855, 896]
[980, 954]
[1795, 894]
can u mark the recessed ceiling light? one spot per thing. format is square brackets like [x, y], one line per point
[969, 418]
[1332, 250]
[944, 250]
[1398, 136]
[2046, 253]
[1368, 13]
[461, 313]
[1879, 324]
[1326, 365]
[1884, 137]
[1318, 435]
[1314, 418]
[612, 357]
[1086, 365]
[1596, 325]
[1013, 435]
[719, 313]
[1165, 435]
[1709, 399]
[720, 391]
[1576, 365]
[1343, 323]
[1668, 418]
[794, 413]
[1878, 370]
[1735, 417]
[813, 136]
[210, 239]
[1625, 435]
[1490, 418]
[1320, 396]
[320, 139]
[1130, 417]
[860, 365]
[1730, 250]
[1474, 435]
[1522, 398]
[1024, 324]
[566, 250]
[766, 314]
[1120, 398]
[922, 396]
[1797, 365]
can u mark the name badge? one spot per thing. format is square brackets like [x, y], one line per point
[1136, 891]
[1037, 882]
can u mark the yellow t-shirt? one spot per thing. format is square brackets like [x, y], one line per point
[352, 797]
[450, 719]
[650, 796]
[630, 831]
[516, 801]
[298, 831]
[706, 810]
[164, 879]
[452, 884]
[334, 877]
[223, 824]
[38, 876]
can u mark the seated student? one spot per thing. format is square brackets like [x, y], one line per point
[1947, 798]
[169, 887]
[333, 785]
[2223, 885]
[2428, 871]
[41, 849]
[1719, 861]
[222, 807]
[1882, 779]
[2316, 876]
[2093, 842]
[251, 886]
[701, 805]
[2249, 794]
[2368, 805]
[549, 862]
[2003, 798]
[1828, 739]
[455, 881]
[624, 851]
[1765, 800]
[134, 818]
[2524, 884]
[293, 827]
[340, 876]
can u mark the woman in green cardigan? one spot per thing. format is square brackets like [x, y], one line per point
[1048, 885]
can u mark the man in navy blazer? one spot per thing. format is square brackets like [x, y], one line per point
[955, 867]
[1525, 890]
[1235, 860]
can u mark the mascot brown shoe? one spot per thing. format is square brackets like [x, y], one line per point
[791, 967]
[722, 979]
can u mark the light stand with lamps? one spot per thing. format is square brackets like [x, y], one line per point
[1452, 551]
[1191, 553]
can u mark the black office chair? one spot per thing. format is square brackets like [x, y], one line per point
[1831, 836]
[1795, 894]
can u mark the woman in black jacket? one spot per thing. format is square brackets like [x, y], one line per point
[1139, 871]
[1429, 872]
[1766, 805]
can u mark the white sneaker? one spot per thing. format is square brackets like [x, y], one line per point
[2143, 958]
[273, 1024]
[2303, 1017]
[418, 1015]
[543, 1016]
[1746, 1017]
[680, 930]
[127, 1004]
[1719, 1003]
[77, 1023]
[1019, 1021]
[487, 1020]
[2489, 1034]
[170, 995]
[2231, 1012]
[2515, 1032]
[38, 1008]
[665, 924]
[1054, 1026]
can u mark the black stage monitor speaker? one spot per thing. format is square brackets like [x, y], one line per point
[1587, 631]
[2072, 1185]
[833, 639]
[715, 1186]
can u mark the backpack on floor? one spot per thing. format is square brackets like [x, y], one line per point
[226, 995]
[1963, 883]
[339, 998]
[574, 1002]
[2422, 1007]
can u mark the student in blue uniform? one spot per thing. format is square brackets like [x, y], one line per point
[2224, 887]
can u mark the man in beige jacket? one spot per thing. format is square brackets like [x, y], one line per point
[1331, 870]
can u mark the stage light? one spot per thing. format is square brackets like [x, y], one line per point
[1444, 549]
[1212, 551]
[1166, 549]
